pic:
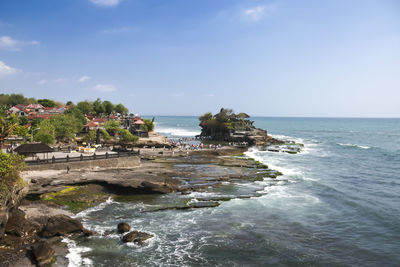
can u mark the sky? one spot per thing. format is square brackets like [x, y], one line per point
[266, 58]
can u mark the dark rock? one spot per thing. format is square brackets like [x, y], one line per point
[62, 225]
[136, 237]
[18, 226]
[222, 198]
[43, 253]
[204, 204]
[123, 227]
[108, 232]
[14, 223]
[87, 232]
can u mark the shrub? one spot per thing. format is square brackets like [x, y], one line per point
[10, 167]
[126, 136]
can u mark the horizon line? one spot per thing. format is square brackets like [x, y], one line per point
[299, 117]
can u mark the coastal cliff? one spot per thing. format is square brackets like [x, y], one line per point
[16, 195]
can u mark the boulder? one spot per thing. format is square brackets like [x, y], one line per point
[43, 253]
[62, 225]
[123, 227]
[136, 237]
[18, 226]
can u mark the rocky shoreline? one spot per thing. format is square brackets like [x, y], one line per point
[54, 196]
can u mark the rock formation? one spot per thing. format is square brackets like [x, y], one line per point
[230, 127]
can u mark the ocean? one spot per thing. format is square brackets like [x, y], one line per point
[336, 204]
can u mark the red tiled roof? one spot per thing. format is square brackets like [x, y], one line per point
[101, 120]
[138, 122]
[92, 124]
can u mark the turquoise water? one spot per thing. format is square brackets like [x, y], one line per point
[337, 204]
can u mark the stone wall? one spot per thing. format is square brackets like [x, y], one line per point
[125, 162]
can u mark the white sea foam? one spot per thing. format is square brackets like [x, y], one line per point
[288, 138]
[101, 206]
[279, 193]
[178, 132]
[75, 254]
[354, 145]
[276, 161]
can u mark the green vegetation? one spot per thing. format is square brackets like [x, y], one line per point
[15, 99]
[127, 137]
[10, 167]
[46, 132]
[148, 125]
[99, 107]
[77, 198]
[65, 127]
[121, 109]
[7, 126]
[47, 103]
[91, 136]
[221, 124]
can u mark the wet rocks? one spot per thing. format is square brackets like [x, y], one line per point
[123, 227]
[43, 253]
[204, 204]
[136, 237]
[62, 225]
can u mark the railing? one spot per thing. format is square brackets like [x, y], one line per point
[82, 158]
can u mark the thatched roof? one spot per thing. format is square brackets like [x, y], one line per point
[33, 149]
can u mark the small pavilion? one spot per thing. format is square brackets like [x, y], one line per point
[33, 149]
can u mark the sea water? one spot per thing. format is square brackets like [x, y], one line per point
[337, 204]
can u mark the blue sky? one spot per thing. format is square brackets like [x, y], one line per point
[180, 57]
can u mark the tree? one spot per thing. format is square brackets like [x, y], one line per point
[69, 103]
[112, 126]
[7, 125]
[21, 131]
[85, 107]
[149, 125]
[46, 133]
[126, 136]
[47, 103]
[90, 136]
[22, 120]
[15, 99]
[109, 107]
[65, 127]
[98, 107]
[206, 117]
[77, 113]
[35, 122]
[106, 135]
[121, 109]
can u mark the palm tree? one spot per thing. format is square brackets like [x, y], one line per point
[7, 125]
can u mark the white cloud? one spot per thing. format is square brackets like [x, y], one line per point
[255, 13]
[259, 12]
[84, 78]
[6, 70]
[41, 82]
[8, 43]
[105, 88]
[105, 2]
